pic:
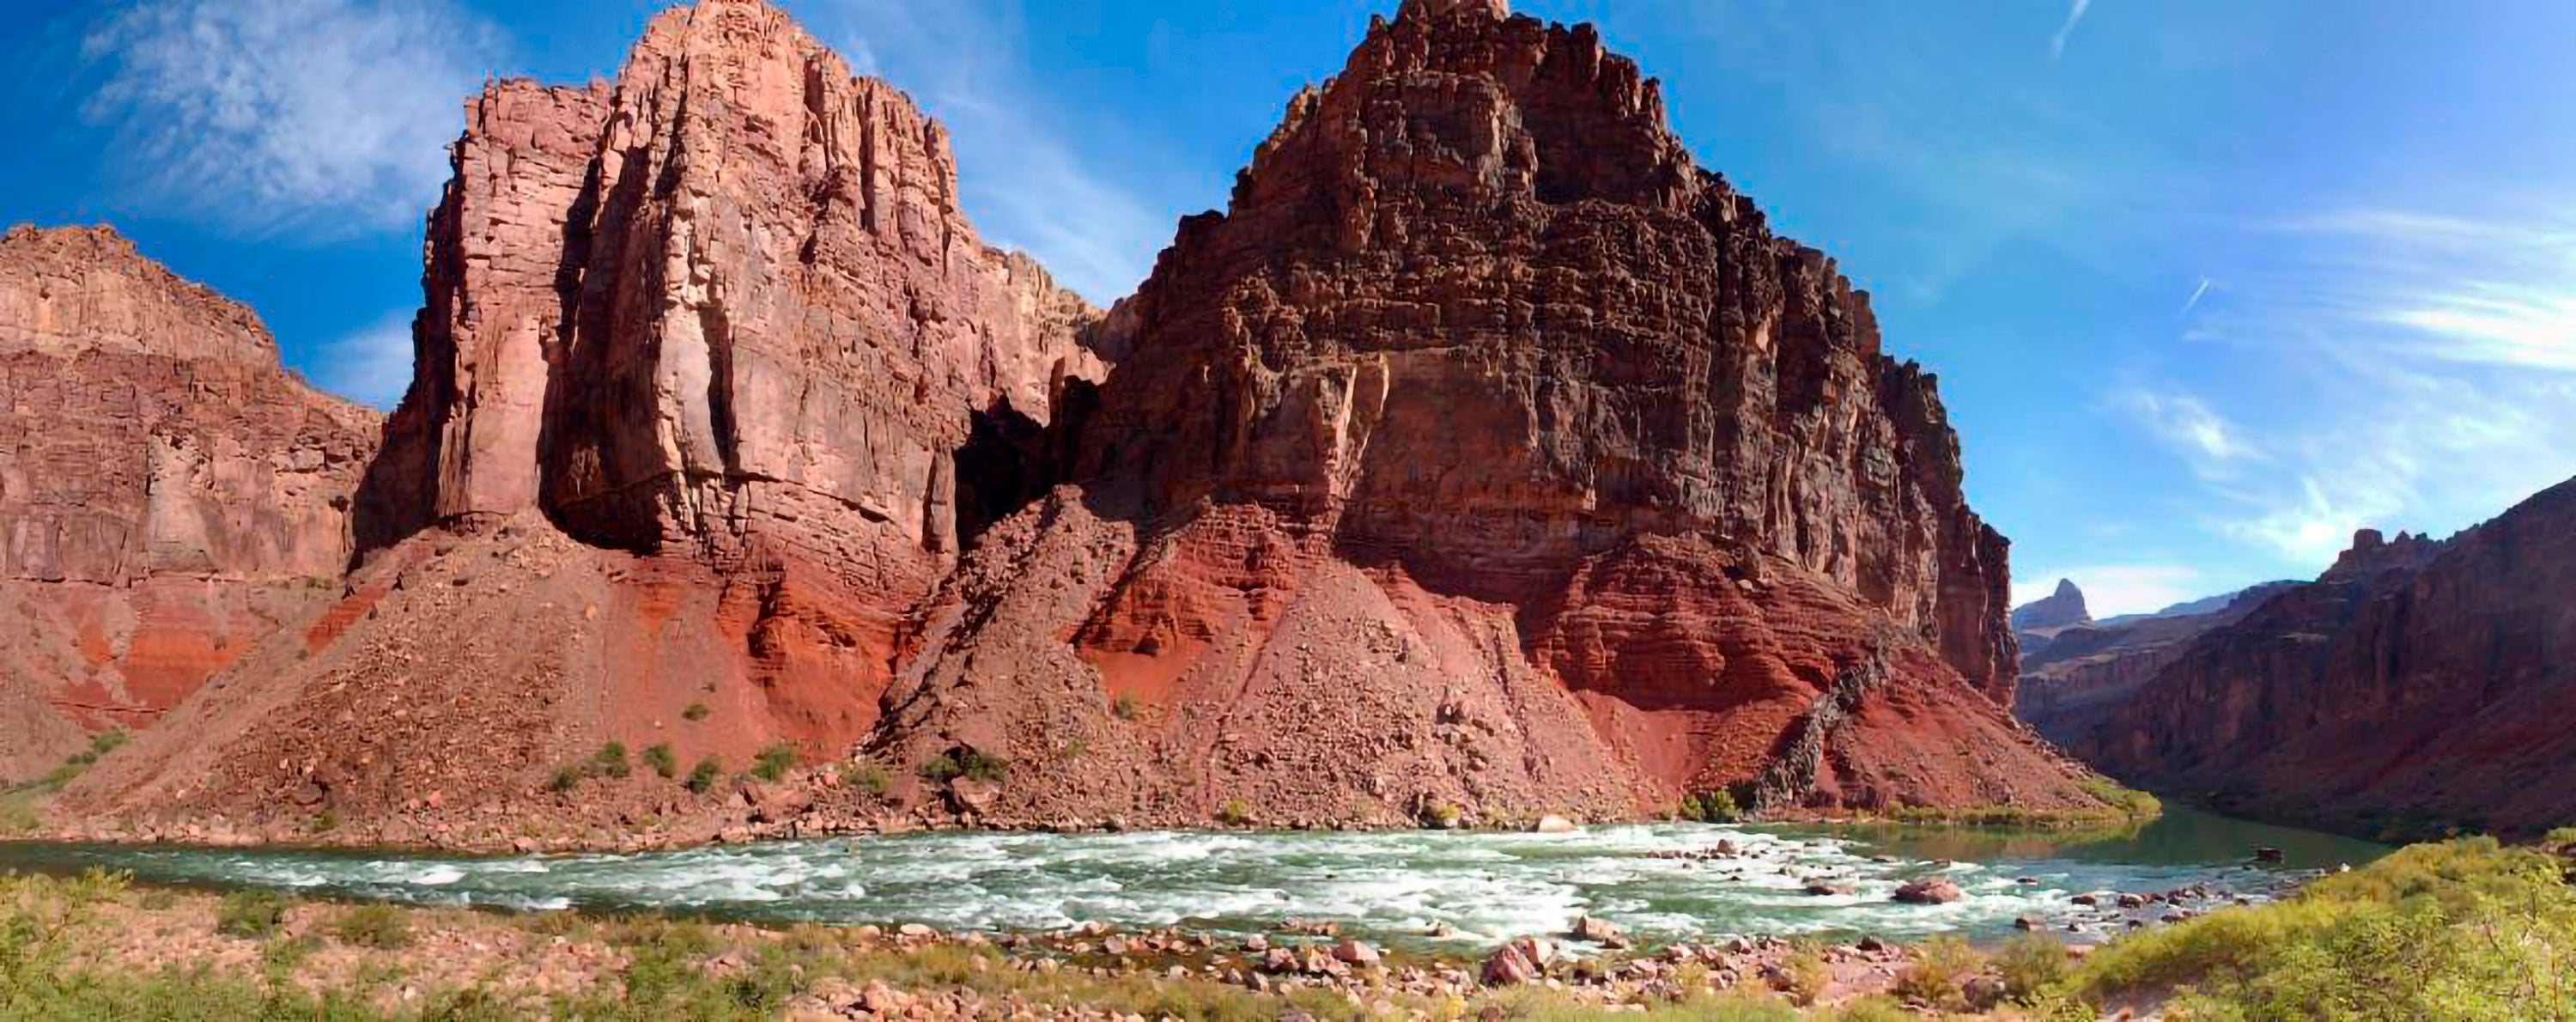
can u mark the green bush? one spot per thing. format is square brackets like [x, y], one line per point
[565, 779]
[659, 757]
[610, 760]
[1711, 807]
[774, 762]
[383, 927]
[252, 915]
[866, 776]
[702, 777]
[964, 761]
[1234, 813]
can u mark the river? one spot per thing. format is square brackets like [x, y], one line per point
[1393, 887]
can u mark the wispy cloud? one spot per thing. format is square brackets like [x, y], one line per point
[371, 366]
[1027, 182]
[2498, 290]
[330, 116]
[2074, 17]
[2213, 445]
[2420, 370]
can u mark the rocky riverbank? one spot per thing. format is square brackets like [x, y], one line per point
[100, 939]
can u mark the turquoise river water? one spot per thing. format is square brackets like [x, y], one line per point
[1394, 887]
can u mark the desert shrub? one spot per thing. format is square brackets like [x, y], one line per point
[964, 761]
[1234, 813]
[252, 915]
[565, 779]
[659, 757]
[1711, 807]
[866, 775]
[774, 762]
[2032, 964]
[702, 777]
[1126, 708]
[610, 760]
[1940, 965]
[1808, 973]
[696, 712]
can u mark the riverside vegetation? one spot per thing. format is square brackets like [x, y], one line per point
[2464, 929]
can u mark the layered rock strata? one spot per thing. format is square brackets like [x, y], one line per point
[1487, 452]
[168, 491]
[713, 383]
[2417, 686]
[2074, 678]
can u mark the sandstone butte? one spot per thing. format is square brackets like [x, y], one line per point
[2416, 686]
[1486, 458]
[168, 491]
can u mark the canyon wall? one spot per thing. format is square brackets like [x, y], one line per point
[168, 492]
[1486, 459]
[699, 354]
[2415, 687]
[2075, 677]
[1489, 452]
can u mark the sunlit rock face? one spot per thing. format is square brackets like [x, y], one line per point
[2416, 686]
[1489, 452]
[168, 491]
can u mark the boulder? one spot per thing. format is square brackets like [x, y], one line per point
[1929, 891]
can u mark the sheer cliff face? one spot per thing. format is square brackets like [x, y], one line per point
[2417, 685]
[726, 310]
[1486, 458]
[166, 488]
[726, 305]
[1475, 311]
[699, 354]
[1476, 342]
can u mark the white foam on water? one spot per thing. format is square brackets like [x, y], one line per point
[1389, 886]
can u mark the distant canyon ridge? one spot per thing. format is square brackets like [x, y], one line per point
[1484, 460]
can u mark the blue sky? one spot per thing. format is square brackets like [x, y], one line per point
[2208, 283]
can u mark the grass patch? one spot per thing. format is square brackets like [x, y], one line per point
[18, 805]
[251, 915]
[383, 927]
[2463, 929]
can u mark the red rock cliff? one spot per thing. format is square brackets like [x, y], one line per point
[725, 309]
[713, 381]
[1487, 451]
[2418, 685]
[167, 489]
